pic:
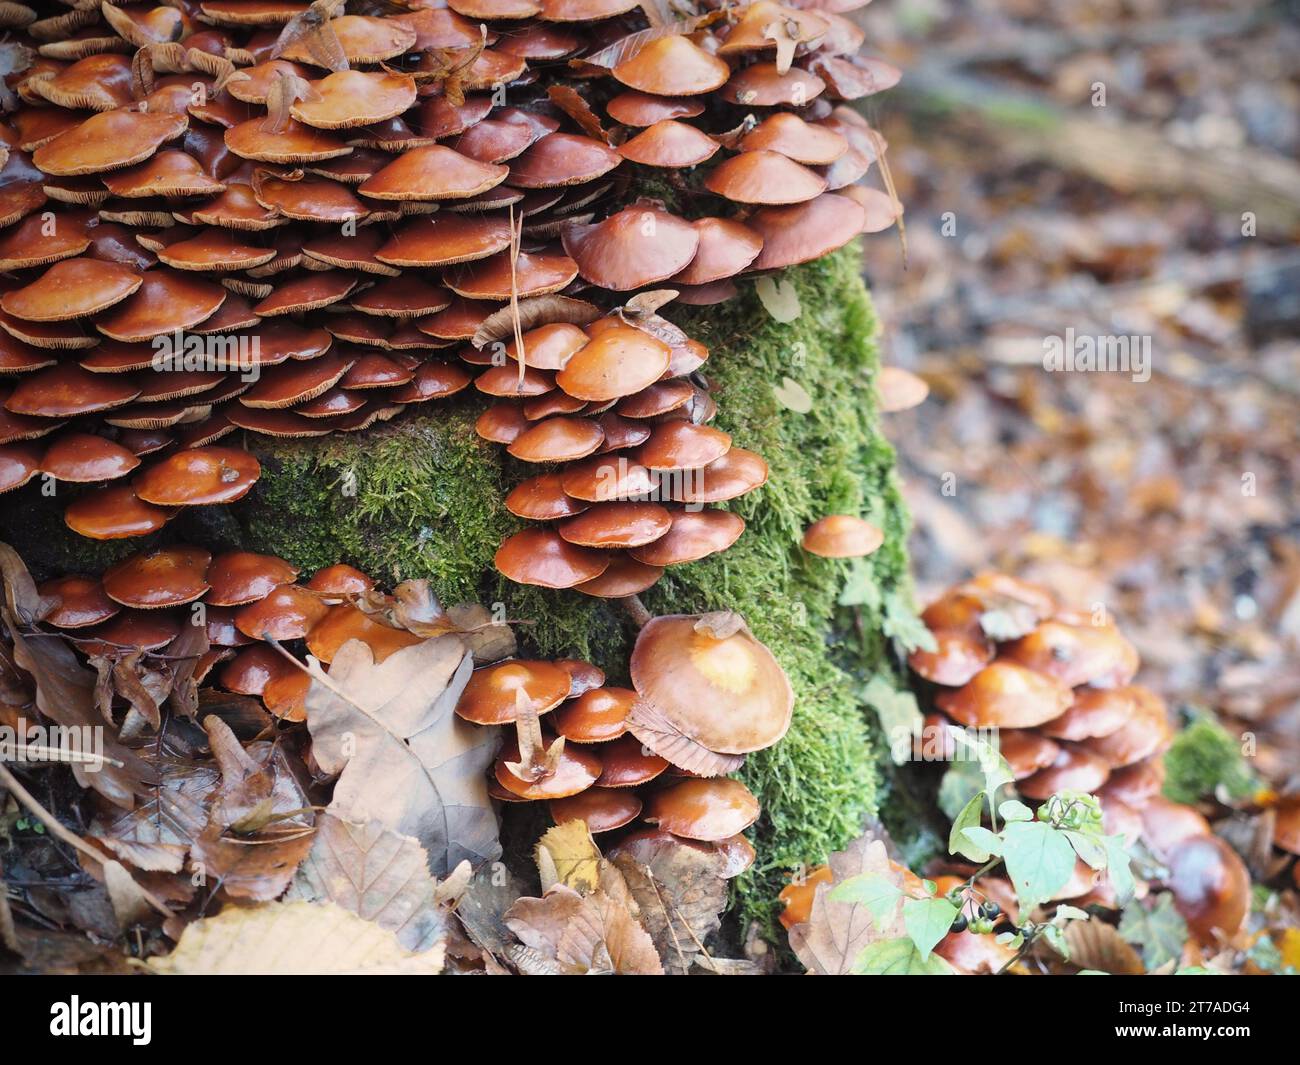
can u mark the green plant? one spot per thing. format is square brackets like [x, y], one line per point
[1037, 850]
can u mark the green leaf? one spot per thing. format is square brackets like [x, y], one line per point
[875, 891]
[899, 957]
[1119, 867]
[981, 837]
[860, 587]
[1039, 861]
[1159, 933]
[993, 767]
[1015, 810]
[900, 717]
[900, 622]
[927, 921]
[958, 842]
[959, 783]
[1089, 848]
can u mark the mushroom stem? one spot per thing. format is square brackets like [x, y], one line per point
[636, 610]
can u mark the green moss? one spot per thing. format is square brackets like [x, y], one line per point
[421, 497]
[1203, 758]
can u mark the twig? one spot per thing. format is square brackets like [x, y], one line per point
[65, 835]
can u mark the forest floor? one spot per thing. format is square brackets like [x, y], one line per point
[1172, 501]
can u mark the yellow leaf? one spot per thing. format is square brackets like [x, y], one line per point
[291, 939]
[568, 855]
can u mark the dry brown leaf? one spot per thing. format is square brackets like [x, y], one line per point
[406, 759]
[1094, 944]
[157, 834]
[829, 942]
[680, 891]
[291, 939]
[379, 875]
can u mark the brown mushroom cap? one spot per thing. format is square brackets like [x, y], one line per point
[561, 159]
[672, 66]
[764, 177]
[625, 763]
[496, 278]
[706, 810]
[114, 513]
[433, 172]
[797, 139]
[681, 445]
[577, 770]
[615, 525]
[623, 576]
[443, 239]
[543, 499]
[82, 602]
[962, 648]
[340, 579]
[1145, 733]
[253, 668]
[1077, 654]
[603, 809]
[726, 248]
[1005, 695]
[607, 478]
[620, 361]
[167, 301]
[543, 557]
[169, 173]
[694, 534]
[108, 141]
[669, 144]
[719, 686]
[502, 423]
[1073, 769]
[350, 98]
[1211, 888]
[753, 31]
[595, 716]
[239, 577]
[296, 143]
[1094, 712]
[1286, 825]
[66, 390]
[638, 246]
[346, 622]
[198, 477]
[735, 473]
[168, 577]
[82, 457]
[801, 232]
[842, 536]
[143, 630]
[762, 85]
[492, 694]
[1135, 784]
[583, 676]
[72, 288]
[289, 612]
[557, 440]
[642, 109]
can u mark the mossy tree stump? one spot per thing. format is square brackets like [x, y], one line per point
[422, 497]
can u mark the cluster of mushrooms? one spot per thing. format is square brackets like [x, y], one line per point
[704, 694]
[1055, 686]
[705, 691]
[611, 412]
[374, 197]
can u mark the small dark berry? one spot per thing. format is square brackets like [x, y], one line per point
[959, 925]
[990, 909]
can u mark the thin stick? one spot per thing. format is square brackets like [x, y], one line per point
[59, 832]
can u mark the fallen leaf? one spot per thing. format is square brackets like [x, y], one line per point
[377, 874]
[1094, 944]
[566, 854]
[291, 939]
[680, 890]
[406, 759]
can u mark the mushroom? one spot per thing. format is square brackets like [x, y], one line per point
[706, 810]
[1211, 888]
[712, 680]
[162, 578]
[842, 536]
